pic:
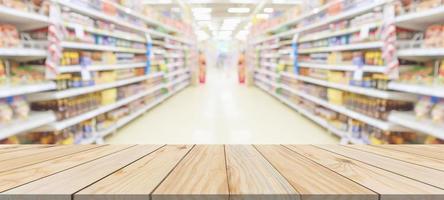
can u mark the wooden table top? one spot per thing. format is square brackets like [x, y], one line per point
[133, 172]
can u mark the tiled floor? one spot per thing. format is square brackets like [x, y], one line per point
[222, 112]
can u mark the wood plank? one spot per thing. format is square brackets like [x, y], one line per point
[33, 156]
[431, 151]
[138, 180]
[312, 180]
[61, 186]
[201, 175]
[11, 148]
[403, 156]
[251, 176]
[389, 185]
[17, 177]
[417, 172]
[26, 152]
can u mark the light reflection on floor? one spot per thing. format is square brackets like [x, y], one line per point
[222, 112]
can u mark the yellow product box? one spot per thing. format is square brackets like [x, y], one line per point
[106, 77]
[334, 58]
[336, 77]
[109, 96]
[335, 96]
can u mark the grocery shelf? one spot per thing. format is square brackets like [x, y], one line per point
[355, 89]
[428, 90]
[20, 53]
[358, 10]
[269, 64]
[175, 73]
[116, 34]
[15, 90]
[34, 120]
[100, 15]
[347, 47]
[177, 81]
[420, 53]
[175, 64]
[270, 55]
[344, 15]
[142, 17]
[267, 81]
[127, 119]
[344, 67]
[409, 120]
[420, 20]
[45, 96]
[96, 47]
[100, 67]
[267, 47]
[174, 55]
[384, 125]
[268, 73]
[60, 125]
[318, 36]
[318, 120]
[22, 19]
[305, 15]
[169, 46]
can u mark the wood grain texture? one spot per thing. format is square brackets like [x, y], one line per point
[201, 175]
[37, 155]
[430, 151]
[11, 148]
[417, 172]
[61, 186]
[138, 180]
[388, 185]
[251, 176]
[17, 177]
[312, 180]
[7, 155]
[403, 156]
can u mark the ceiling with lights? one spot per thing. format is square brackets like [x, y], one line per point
[223, 19]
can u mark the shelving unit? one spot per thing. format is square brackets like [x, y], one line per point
[272, 73]
[177, 48]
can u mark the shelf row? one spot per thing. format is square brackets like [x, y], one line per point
[125, 120]
[60, 125]
[92, 13]
[318, 120]
[344, 15]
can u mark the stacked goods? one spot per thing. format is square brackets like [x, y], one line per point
[406, 7]
[32, 6]
[13, 108]
[430, 108]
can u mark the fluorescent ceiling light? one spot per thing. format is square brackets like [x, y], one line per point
[268, 10]
[238, 10]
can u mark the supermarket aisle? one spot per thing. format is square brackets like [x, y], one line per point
[222, 112]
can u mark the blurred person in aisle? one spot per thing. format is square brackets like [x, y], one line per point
[202, 67]
[241, 67]
[221, 60]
